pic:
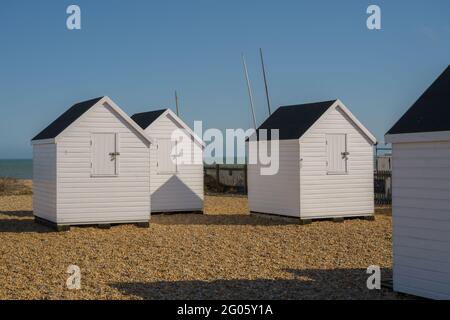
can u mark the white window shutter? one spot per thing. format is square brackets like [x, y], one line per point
[337, 154]
[104, 154]
[167, 156]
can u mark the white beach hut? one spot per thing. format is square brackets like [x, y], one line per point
[421, 194]
[326, 165]
[176, 169]
[91, 166]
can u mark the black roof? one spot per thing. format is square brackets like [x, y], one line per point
[294, 121]
[431, 112]
[145, 119]
[66, 119]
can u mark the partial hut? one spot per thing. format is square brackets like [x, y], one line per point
[421, 194]
[91, 166]
[176, 170]
[326, 164]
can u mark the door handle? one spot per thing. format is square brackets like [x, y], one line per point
[114, 155]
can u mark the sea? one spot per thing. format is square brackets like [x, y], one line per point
[16, 168]
[23, 168]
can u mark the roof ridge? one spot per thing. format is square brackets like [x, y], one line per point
[430, 111]
[156, 110]
[145, 119]
[66, 118]
[309, 103]
[294, 120]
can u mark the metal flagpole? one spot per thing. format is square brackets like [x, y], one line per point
[265, 80]
[249, 88]
[176, 103]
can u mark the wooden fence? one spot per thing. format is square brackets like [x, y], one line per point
[233, 179]
[383, 187]
[225, 178]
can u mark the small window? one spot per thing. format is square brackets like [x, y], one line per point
[337, 154]
[167, 156]
[104, 154]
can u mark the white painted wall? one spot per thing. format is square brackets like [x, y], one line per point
[44, 181]
[325, 195]
[182, 191]
[421, 218]
[279, 193]
[84, 199]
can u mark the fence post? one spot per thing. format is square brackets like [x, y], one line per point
[217, 177]
[245, 180]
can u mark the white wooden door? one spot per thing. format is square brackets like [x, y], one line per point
[337, 154]
[167, 157]
[104, 154]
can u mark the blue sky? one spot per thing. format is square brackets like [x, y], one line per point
[139, 52]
